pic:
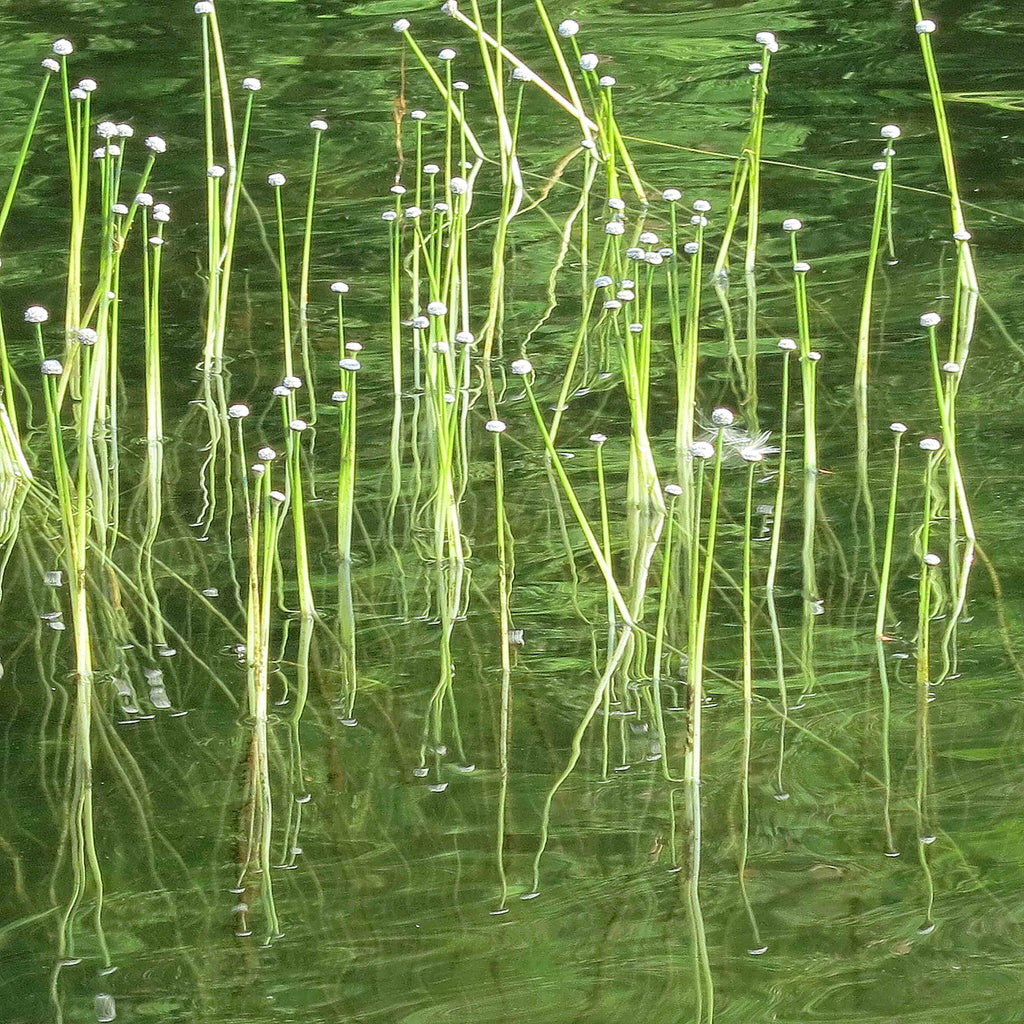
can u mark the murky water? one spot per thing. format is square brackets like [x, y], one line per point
[430, 859]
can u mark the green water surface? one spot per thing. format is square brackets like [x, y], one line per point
[402, 845]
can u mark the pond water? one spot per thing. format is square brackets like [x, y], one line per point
[435, 820]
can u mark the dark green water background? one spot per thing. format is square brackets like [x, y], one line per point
[386, 913]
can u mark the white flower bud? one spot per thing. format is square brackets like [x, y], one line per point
[722, 417]
[318, 125]
[460, 86]
[465, 338]
[615, 227]
[898, 428]
[51, 368]
[86, 336]
[298, 426]
[791, 224]
[36, 315]
[691, 248]
[143, 199]
[119, 208]
[419, 115]
[606, 81]
[106, 129]
[673, 490]
[801, 267]
[280, 391]
[931, 560]
[156, 144]
[496, 426]
[925, 27]
[78, 94]
[276, 180]
[768, 41]
[238, 412]
[125, 131]
[277, 497]
[930, 320]
[431, 169]
[63, 47]
[49, 64]
[215, 171]
[702, 450]
[598, 439]
[702, 206]
[879, 165]
[292, 383]
[671, 195]
[929, 444]
[961, 236]
[447, 54]
[389, 215]
[459, 186]
[266, 454]
[203, 7]
[401, 25]
[350, 364]
[891, 131]
[568, 28]
[338, 397]
[252, 84]
[521, 367]
[787, 344]
[588, 61]
[521, 74]
[436, 308]
[339, 288]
